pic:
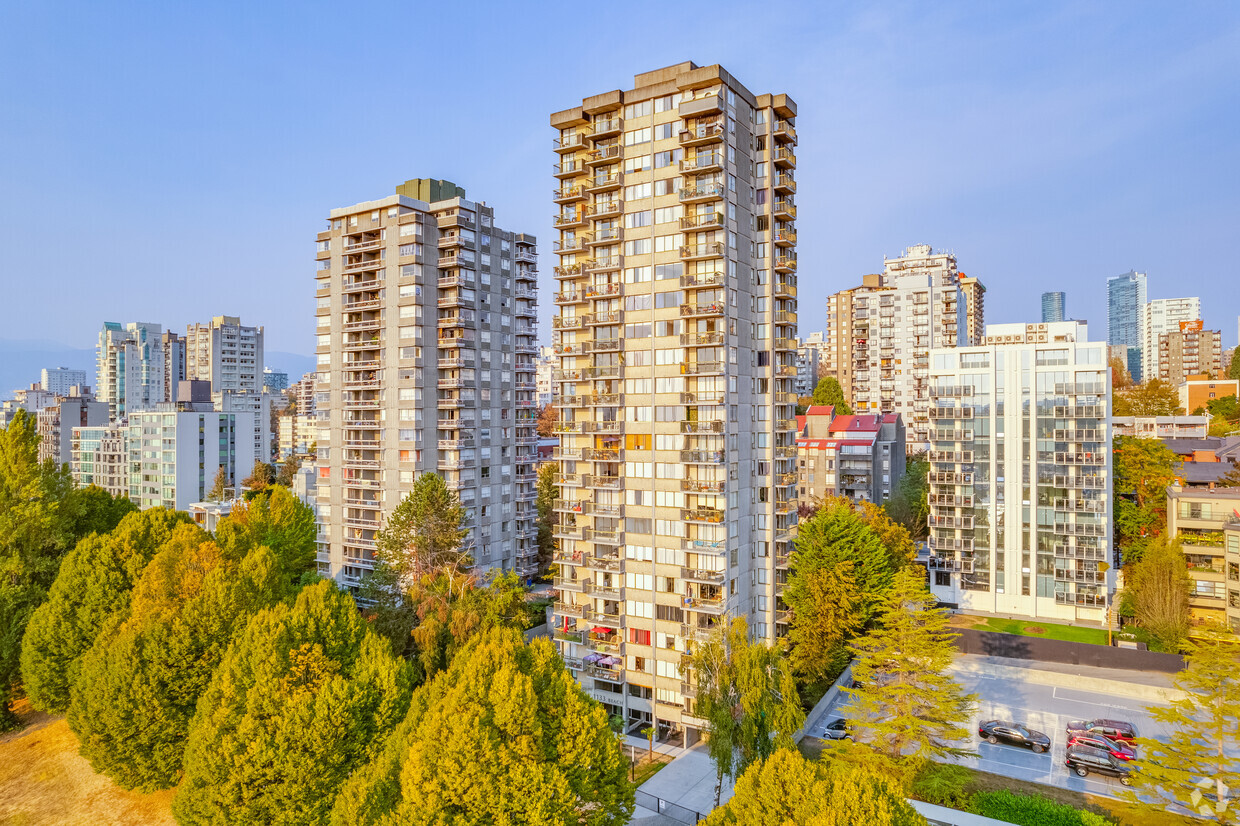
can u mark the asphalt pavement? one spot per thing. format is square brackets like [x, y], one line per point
[1045, 701]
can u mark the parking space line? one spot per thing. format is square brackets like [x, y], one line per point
[1055, 694]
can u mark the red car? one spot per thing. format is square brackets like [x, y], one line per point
[1117, 749]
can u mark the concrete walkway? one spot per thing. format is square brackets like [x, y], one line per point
[688, 781]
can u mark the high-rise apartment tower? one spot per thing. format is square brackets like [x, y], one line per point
[426, 347]
[676, 334]
[1159, 316]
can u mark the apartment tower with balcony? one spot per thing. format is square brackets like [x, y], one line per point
[676, 338]
[917, 304]
[1022, 421]
[426, 359]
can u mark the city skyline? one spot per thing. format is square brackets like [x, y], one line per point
[1128, 170]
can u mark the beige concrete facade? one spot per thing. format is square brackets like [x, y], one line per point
[226, 353]
[1190, 351]
[1207, 523]
[676, 336]
[426, 346]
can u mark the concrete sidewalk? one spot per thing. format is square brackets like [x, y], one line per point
[688, 781]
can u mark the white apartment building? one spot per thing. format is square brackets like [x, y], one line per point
[1159, 316]
[676, 388]
[259, 406]
[809, 357]
[547, 362]
[1023, 420]
[225, 353]
[426, 348]
[59, 380]
[917, 305]
[130, 367]
[174, 455]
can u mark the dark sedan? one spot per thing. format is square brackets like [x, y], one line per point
[1116, 748]
[994, 731]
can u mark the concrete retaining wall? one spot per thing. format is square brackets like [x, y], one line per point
[998, 644]
[828, 699]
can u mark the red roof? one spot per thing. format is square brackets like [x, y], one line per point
[820, 410]
[800, 424]
[856, 423]
[832, 444]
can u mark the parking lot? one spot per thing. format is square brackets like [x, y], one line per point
[1045, 701]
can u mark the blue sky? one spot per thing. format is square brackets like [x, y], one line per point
[171, 161]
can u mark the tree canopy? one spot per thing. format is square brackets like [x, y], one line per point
[1159, 585]
[505, 735]
[303, 697]
[423, 534]
[909, 504]
[1197, 766]
[1154, 397]
[93, 586]
[906, 703]
[829, 392]
[280, 521]
[1143, 468]
[139, 684]
[545, 502]
[747, 696]
[788, 789]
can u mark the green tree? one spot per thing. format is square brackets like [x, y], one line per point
[896, 539]
[746, 694]
[907, 704]
[837, 534]
[829, 392]
[304, 696]
[825, 603]
[788, 789]
[1197, 766]
[288, 471]
[139, 684]
[1143, 468]
[909, 504]
[93, 510]
[93, 585]
[1150, 398]
[423, 535]
[1231, 479]
[263, 475]
[1120, 377]
[1160, 587]
[545, 503]
[1233, 369]
[280, 521]
[504, 736]
[219, 488]
[36, 529]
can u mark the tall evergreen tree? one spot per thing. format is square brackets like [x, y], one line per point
[36, 529]
[1197, 767]
[829, 392]
[747, 696]
[93, 585]
[139, 684]
[788, 789]
[219, 487]
[1160, 586]
[909, 504]
[305, 695]
[423, 535]
[826, 604]
[907, 704]
[837, 534]
[1143, 470]
[504, 736]
[546, 514]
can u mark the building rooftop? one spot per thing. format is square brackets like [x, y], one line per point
[1178, 491]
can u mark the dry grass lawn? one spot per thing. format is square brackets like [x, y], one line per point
[44, 782]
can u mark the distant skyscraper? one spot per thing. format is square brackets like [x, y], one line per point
[1052, 307]
[226, 354]
[1125, 306]
[274, 380]
[174, 363]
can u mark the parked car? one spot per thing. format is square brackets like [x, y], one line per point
[992, 731]
[1111, 729]
[1084, 759]
[838, 730]
[1116, 748]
